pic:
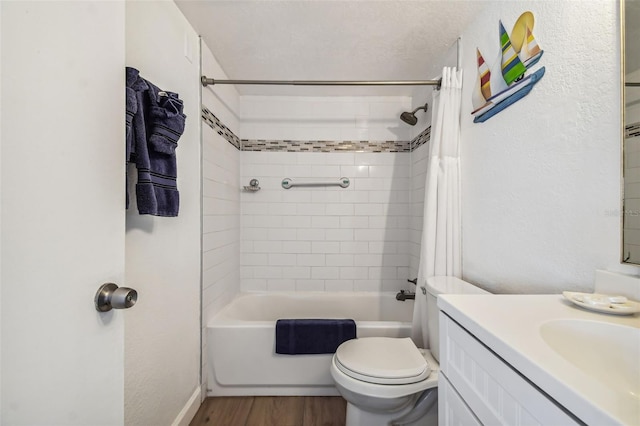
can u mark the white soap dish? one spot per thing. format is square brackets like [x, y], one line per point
[617, 305]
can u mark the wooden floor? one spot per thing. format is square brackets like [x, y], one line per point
[271, 411]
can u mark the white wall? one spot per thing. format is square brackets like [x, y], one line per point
[371, 118]
[539, 178]
[162, 367]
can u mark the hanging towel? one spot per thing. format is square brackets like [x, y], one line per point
[312, 336]
[156, 127]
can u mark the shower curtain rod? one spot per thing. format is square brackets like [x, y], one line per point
[211, 81]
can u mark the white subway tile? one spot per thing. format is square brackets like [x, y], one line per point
[296, 247]
[282, 234]
[309, 285]
[297, 272]
[325, 247]
[250, 234]
[354, 222]
[267, 221]
[282, 259]
[369, 209]
[254, 259]
[382, 272]
[254, 285]
[371, 235]
[338, 285]
[311, 209]
[296, 221]
[310, 259]
[343, 209]
[354, 247]
[281, 285]
[310, 234]
[354, 172]
[267, 271]
[325, 272]
[353, 196]
[323, 196]
[339, 259]
[383, 247]
[328, 172]
[377, 222]
[282, 208]
[267, 247]
[325, 222]
[367, 285]
[354, 273]
[339, 234]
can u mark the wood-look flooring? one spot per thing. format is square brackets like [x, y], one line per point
[271, 411]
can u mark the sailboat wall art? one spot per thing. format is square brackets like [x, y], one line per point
[514, 70]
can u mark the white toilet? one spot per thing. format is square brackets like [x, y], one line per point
[389, 381]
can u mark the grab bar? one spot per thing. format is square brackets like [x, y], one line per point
[289, 183]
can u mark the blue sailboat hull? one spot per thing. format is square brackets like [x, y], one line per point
[510, 100]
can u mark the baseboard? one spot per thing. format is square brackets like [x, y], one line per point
[190, 409]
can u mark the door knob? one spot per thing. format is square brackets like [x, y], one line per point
[110, 296]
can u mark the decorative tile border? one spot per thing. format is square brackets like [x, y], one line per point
[213, 122]
[632, 130]
[311, 146]
[324, 146]
[421, 139]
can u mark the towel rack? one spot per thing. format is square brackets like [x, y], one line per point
[342, 182]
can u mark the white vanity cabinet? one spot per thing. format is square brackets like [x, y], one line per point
[477, 387]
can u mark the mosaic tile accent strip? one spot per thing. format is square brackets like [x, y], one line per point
[209, 118]
[421, 139]
[632, 130]
[284, 145]
[324, 146]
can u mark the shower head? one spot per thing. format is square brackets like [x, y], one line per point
[410, 117]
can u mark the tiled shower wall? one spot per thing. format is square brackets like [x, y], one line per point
[326, 238]
[309, 239]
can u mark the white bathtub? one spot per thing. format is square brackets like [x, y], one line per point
[241, 339]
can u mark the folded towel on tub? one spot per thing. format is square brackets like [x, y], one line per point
[312, 336]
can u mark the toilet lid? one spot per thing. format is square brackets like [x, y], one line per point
[382, 360]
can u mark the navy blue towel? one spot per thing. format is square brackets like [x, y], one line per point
[155, 122]
[312, 336]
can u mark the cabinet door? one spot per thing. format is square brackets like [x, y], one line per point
[493, 390]
[452, 411]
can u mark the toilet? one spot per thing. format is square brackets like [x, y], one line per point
[389, 381]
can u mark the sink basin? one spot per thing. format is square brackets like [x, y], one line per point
[607, 352]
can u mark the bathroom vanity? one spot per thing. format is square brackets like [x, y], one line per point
[536, 359]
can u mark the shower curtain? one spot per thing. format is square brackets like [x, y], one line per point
[440, 252]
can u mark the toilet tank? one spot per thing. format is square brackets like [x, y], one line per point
[435, 287]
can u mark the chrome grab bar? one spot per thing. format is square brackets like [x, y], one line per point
[289, 183]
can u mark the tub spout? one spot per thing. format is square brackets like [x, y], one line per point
[404, 295]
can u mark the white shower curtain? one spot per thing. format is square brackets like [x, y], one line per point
[440, 247]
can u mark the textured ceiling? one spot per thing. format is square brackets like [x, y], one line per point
[329, 40]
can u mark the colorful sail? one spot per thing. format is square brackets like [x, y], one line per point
[485, 76]
[512, 67]
[531, 52]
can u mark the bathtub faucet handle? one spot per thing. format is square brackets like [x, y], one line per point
[413, 281]
[404, 295]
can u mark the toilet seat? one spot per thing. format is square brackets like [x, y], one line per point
[382, 360]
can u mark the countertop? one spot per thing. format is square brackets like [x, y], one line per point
[510, 326]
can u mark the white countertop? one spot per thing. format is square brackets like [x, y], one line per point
[510, 324]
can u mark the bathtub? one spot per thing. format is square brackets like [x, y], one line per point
[241, 339]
